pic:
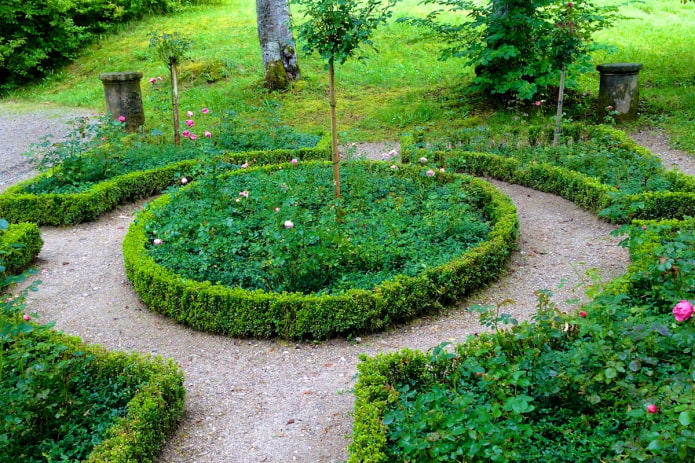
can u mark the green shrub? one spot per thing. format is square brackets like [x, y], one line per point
[17, 205]
[65, 401]
[20, 243]
[40, 35]
[235, 311]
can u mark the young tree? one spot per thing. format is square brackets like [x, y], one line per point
[513, 44]
[336, 29]
[172, 49]
[277, 43]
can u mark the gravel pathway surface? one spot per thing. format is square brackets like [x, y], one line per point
[270, 400]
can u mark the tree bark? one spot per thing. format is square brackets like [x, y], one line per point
[560, 103]
[277, 43]
[175, 101]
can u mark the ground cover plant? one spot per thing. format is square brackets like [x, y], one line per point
[64, 401]
[612, 382]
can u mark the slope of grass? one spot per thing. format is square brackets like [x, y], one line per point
[401, 87]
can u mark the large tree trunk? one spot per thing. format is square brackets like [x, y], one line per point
[277, 43]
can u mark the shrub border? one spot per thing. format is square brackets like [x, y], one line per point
[377, 375]
[71, 209]
[237, 312]
[28, 236]
[373, 391]
[586, 192]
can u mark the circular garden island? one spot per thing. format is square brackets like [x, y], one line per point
[269, 251]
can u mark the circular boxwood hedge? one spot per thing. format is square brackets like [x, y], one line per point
[323, 313]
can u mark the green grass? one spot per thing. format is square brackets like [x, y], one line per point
[402, 87]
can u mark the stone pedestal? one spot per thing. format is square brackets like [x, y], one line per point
[124, 98]
[619, 89]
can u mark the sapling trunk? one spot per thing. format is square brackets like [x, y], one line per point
[558, 117]
[334, 128]
[175, 101]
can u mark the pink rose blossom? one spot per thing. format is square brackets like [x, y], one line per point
[159, 78]
[244, 193]
[194, 136]
[441, 169]
[121, 118]
[582, 313]
[570, 5]
[186, 133]
[153, 80]
[190, 122]
[189, 114]
[683, 311]
[651, 408]
[208, 134]
[276, 209]
[423, 160]
[537, 103]
[289, 224]
[394, 167]
[157, 241]
[26, 317]
[244, 165]
[430, 173]
[610, 108]
[205, 110]
[294, 161]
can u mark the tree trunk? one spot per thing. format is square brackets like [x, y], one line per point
[277, 43]
[560, 103]
[334, 129]
[175, 101]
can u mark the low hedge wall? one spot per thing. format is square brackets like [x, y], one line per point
[28, 238]
[379, 376]
[153, 412]
[70, 209]
[587, 192]
[238, 312]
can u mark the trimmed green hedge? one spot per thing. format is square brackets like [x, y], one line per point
[380, 376]
[152, 414]
[70, 209]
[28, 237]
[587, 192]
[238, 312]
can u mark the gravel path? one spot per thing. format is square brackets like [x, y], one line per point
[273, 401]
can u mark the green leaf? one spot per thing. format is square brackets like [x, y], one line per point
[684, 418]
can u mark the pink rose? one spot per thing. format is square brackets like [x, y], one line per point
[121, 118]
[190, 122]
[651, 408]
[289, 224]
[570, 5]
[244, 193]
[26, 317]
[186, 133]
[244, 165]
[208, 134]
[194, 136]
[294, 161]
[153, 80]
[537, 103]
[683, 311]
[189, 114]
[157, 241]
[205, 110]
[423, 160]
[160, 78]
[582, 313]
[430, 173]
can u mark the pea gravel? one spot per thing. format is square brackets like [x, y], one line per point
[275, 401]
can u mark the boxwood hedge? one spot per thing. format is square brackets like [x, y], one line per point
[238, 312]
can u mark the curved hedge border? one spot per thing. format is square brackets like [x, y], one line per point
[238, 312]
[153, 412]
[587, 192]
[71, 209]
[379, 375]
[28, 236]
